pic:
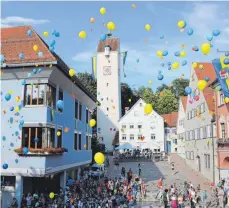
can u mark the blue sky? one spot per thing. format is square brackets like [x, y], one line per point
[69, 18]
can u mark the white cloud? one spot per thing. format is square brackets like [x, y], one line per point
[15, 20]
[83, 57]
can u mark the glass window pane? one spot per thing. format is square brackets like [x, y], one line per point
[28, 94]
[41, 94]
[75, 142]
[32, 137]
[35, 95]
[39, 136]
[79, 142]
[76, 109]
[25, 137]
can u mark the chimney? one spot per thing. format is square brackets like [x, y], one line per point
[126, 109]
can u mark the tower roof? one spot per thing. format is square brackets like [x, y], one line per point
[112, 42]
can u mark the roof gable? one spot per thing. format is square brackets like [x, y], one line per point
[171, 119]
[184, 101]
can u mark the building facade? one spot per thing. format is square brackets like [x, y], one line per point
[170, 121]
[180, 127]
[44, 140]
[108, 90]
[141, 130]
[200, 128]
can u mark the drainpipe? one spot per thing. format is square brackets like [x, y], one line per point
[213, 146]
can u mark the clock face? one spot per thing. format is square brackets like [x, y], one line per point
[106, 70]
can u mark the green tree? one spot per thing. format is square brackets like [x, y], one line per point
[166, 103]
[178, 87]
[161, 88]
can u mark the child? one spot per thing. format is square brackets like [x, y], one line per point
[180, 201]
[174, 201]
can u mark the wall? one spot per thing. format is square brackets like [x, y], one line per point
[171, 136]
[109, 96]
[151, 124]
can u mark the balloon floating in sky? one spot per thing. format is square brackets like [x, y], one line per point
[209, 37]
[201, 66]
[226, 53]
[188, 90]
[72, 72]
[57, 34]
[35, 47]
[159, 53]
[2, 58]
[184, 62]
[102, 10]
[82, 34]
[162, 64]
[7, 97]
[92, 20]
[92, 122]
[206, 79]
[52, 44]
[137, 60]
[5, 166]
[177, 53]
[133, 6]
[169, 63]
[215, 32]
[194, 65]
[190, 31]
[103, 37]
[181, 24]
[175, 65]
[147, 27]
[51, 195]
[169, 67]
[148, 109]
[205, 48]
[21, 56]
[46, 34]
[29, 32]
[162, 37]
[201, 84]
[165, 53]
[182, 54]
[160, 76]
[99, 158]
[111, 26]
[195, 48]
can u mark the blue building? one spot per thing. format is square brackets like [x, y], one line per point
[58, 140]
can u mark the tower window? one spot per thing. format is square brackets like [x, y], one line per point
[107, 109]
[107, 84]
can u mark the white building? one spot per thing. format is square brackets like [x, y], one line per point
[180, 127]
[141, 130]
[108, 90]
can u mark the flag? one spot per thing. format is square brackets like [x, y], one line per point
[222, 73]
[94, 66]
[124, 55]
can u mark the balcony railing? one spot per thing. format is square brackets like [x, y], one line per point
[43, 151]
[223, 142]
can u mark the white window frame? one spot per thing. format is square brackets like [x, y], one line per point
[131, 136]
[131, 125]
[153, 136]
[123, 136]
[139, 125]
[123, 126]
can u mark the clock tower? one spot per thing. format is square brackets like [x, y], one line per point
[108, 90]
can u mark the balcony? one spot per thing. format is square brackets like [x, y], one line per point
[223, 142]
[41, 152]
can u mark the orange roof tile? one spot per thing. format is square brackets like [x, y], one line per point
[112, 42]
[171, 118]
[15, 40]
[184, 101]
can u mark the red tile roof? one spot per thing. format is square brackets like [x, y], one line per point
[207, 71]
[112, 42]
[171, 119]
[184, 101]
[15, 40]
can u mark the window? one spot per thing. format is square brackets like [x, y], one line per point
[139, 137]
[207, 160]
[60, 97]
[50, 138]
[107, 109]
[107, 84]
[175, 141]
[123, 136]
[131, 126]
[175, 149]
[192, 155]
[51, 96]
[35, 94]
[193, 113]
[223, 135]
[167, 131]
[131, 136]
[86, 143]
[198, 133]
[202, 108]
[123, 126]
[153, 136]
[80, 111]
[79, 141]
[75, 141]
[139, 126]
[89, 143]
[87, 115]
[221, 99]
[174, 131]
[76, 109]
[140, 104]
[204, 132]
[59, 138]
[193, 134]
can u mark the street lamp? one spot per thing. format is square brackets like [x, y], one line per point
[213, 145]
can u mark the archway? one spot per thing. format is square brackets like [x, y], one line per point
[226, 162]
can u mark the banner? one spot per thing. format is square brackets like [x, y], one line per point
[222, 73]
[124, 55]
[94, 66]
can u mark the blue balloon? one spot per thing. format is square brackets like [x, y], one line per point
[211, 45]
[7, 97]
[4, 65]
[206, 79]
[53, 42]
[29, 75]
[5, 166]
[16, 133]
[16, 160]
[162, 37]
[21, 122]
[25, 150]
[195, 48]
[36, 140]
[159, 72]
[4, 138]
[184, 62]
[2, 58]
[11, 108]
[160, 76]
[53, 32]
[215, 32]
[226, 61]
[51, 48]
[190, 31]
[165, 53]
[188, 90]
[57, 34]
[185, 24]
[11, 120]
[34, 71]
[40, 70]
[21, 56]
[177, 53]
[40, 54]
[60, 104]
[29, 32]
[137, 60]
[169, 67]
[12, 144]
[103, 37]
[162, 64]
[169, 63]
[23, 82]
[209, 37]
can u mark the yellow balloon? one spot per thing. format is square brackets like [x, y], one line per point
[150, 81]
[175, 65]
[226, 99]
[181, 24]
[201, 66]
[72, 72]
[46, 34]
[58, 133]
[182, 54]
[92, 20]
[129, 100]
[148, 109]
[111, 26]
[11, 92]
[206, 48]
[201, 84]
[17, 109]
[51, 195]
[159, 53]
[92, 122]
[194, 65]
[99, 158]
[82, 34]
[35, 47]
[102, 11]
[18, 98]
[147, 27]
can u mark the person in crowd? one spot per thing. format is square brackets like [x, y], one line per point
[14, 203]
[165, 198]
[174, 201]
[139, 169]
